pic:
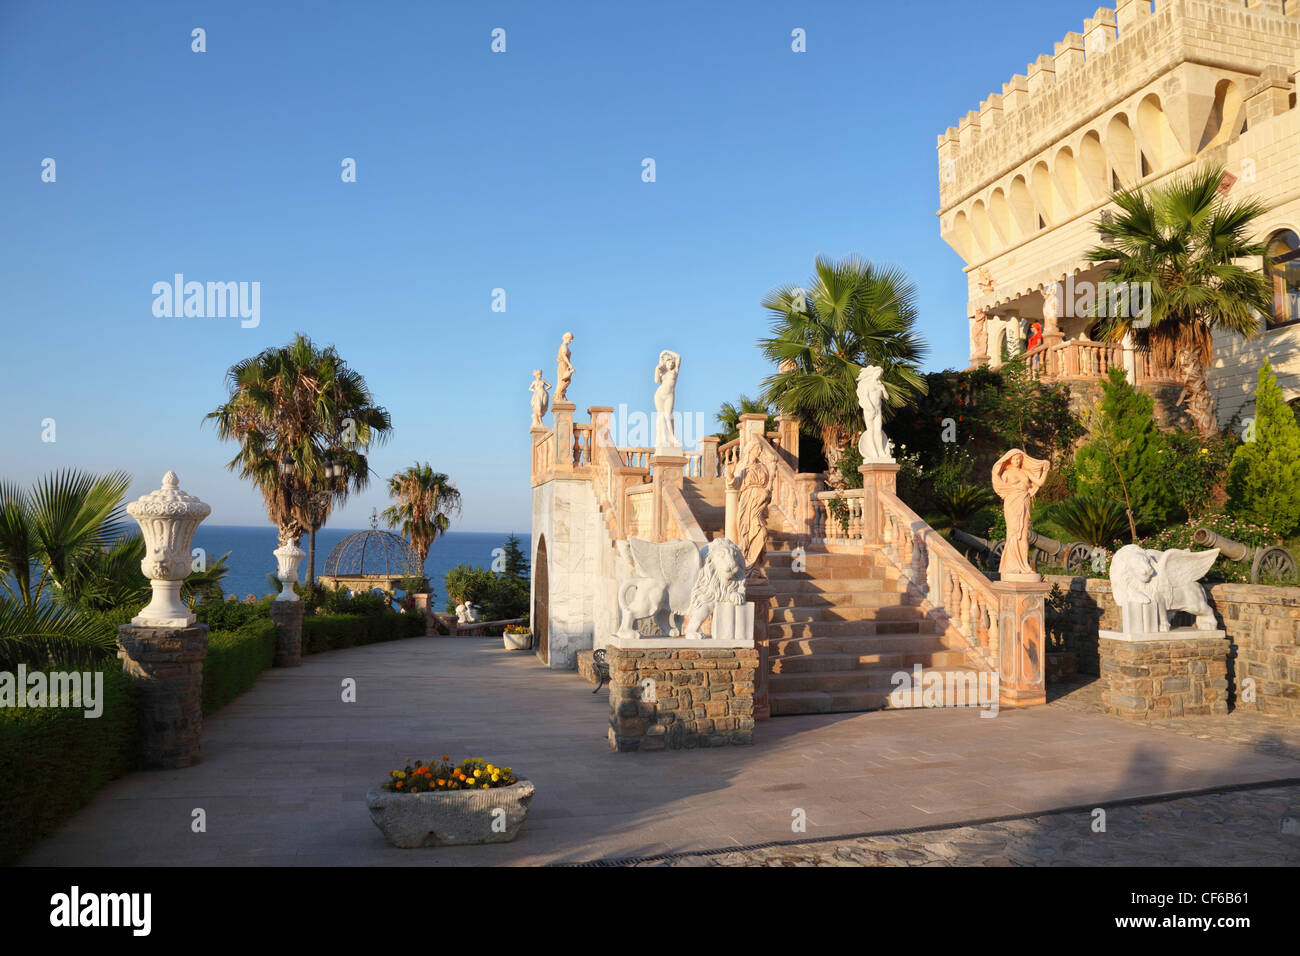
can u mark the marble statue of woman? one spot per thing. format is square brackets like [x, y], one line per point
[754, 480]
[980, 342]
[540, 390]
[670, 364]
[564, 368]
[871, 394]
[1016, 479]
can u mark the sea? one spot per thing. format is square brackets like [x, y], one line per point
[251, 558]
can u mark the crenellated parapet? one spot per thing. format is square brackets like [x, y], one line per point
[1118, 53]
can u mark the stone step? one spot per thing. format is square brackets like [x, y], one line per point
[904, 625]
[839, 696]
[861, 608]
[802, 583]
[865, 597]
[880, 642]
[821, 559]
[841, 572]
[823, 662]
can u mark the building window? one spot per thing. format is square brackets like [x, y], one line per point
[1282, 266]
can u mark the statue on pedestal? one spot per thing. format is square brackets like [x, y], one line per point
[540, 400]
[1148, 586]
[1017, 478]
[871, 395]
[666, 371]
[754, 483]
[564, 368]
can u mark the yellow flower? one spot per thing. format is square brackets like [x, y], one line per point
[478, 773]
[496, 777]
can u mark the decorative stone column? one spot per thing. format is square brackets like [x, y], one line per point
[709, 457]
[667, 471]
[162, 649]
[876, 477]
[287, 616]
[1021, 643]
[563, 417]
[424, 604]
[787, 440]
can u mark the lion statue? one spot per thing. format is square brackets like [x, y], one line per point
[1148, 586]
[661, 590]
[721, 581]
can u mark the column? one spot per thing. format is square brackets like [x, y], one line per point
[166, 664]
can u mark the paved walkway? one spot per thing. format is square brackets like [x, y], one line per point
[286, 767]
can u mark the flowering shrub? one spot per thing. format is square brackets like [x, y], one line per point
[1226, 526]
[473, 773]
[518, 629]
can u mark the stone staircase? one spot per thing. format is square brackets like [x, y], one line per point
[841, 629]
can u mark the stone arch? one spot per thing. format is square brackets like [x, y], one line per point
[1022, 206]
[1160, 144]
[1093, 165]
[1121, 147]
[1000, 215]
[982, 227]
[963, 237]
[1069, 180]
[1226, 116]
[1047, 199]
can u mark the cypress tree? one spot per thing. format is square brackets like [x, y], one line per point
[1264, 477]
[1126, 438]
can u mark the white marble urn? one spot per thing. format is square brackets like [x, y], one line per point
[167, 518]
[287, 558]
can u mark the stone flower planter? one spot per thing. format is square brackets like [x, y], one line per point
[1061, 667]
[451, 818]
[517, 642]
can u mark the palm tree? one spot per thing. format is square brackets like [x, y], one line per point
[67, 551]
[303, 420]
[426, 501]
[729, 416]
[1182, 241]
[854, 314]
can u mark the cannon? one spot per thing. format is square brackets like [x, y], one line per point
[1073, 556]
[990, 552]
[1270, 562]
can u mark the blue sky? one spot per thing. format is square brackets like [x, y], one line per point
[475, 171]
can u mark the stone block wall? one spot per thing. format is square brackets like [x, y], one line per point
[1262, 623]
[1157, 679]
[700, 696]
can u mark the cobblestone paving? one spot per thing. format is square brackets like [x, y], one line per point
[1239, 828]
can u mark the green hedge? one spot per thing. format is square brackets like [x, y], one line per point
[52, 760]
[234, 660]
[332, 632]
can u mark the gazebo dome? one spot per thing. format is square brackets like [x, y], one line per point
[373, 553]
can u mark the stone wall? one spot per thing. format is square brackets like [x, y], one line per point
[565, 513]
[1146, 680]
[1262, 623]
[678, 694]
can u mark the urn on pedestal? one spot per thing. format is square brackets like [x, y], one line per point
[168, 518]
[287, 558]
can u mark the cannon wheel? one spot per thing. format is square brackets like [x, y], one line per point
[1077, 556]
[1274, 565]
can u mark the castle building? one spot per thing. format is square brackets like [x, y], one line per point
[1139, 97]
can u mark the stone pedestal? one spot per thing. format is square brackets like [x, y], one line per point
[679, 693]
[762, 598]
[667, 472]
[1021, 643]
[288, 632]
[562, 413]
[423, 604]
[1177, 673]
[876, 477]
[167, 667]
